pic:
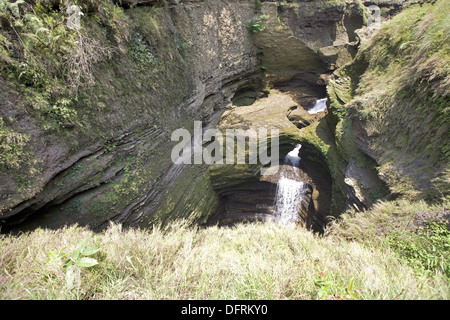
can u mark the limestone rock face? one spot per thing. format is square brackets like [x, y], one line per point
[116, 164]
[284, 55]
[360, 181]
[375, 114]
[308, 36]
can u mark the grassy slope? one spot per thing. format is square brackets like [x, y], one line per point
[253, 261]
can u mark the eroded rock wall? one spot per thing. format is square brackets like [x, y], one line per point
[113, 161]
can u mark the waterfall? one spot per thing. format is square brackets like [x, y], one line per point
[289, 189]
[289, 197]
[321, 105]
[292, 157]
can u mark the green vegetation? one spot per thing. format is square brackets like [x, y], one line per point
[357, 259]
[142, 53]
[397, 87]
[258, 6]
[325, 287]
[11, 147]
[77, 260]
[47, 56]
[61, 112]
[181, 46]
[427, 249]
[416, 232]
[256, 25]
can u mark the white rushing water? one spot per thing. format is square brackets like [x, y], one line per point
[321, 105]
[289, 190]
[292, 157]
[289, 197]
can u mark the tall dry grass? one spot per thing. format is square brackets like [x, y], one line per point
[253, 261]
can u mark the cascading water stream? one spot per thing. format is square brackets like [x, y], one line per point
[292, 157]
[321, 105]
[289, 189]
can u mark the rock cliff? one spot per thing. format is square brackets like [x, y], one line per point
[92, 143]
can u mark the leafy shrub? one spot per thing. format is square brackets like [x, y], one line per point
[256, 25]
[426, 250]
[258, 6]
[79, 258]
[181, 46]
[61, 112]
[329, 290]
[37, 47]
[141, 52]
[12, 145]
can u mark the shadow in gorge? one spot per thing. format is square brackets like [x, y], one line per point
[320, 179]
[305, 88]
